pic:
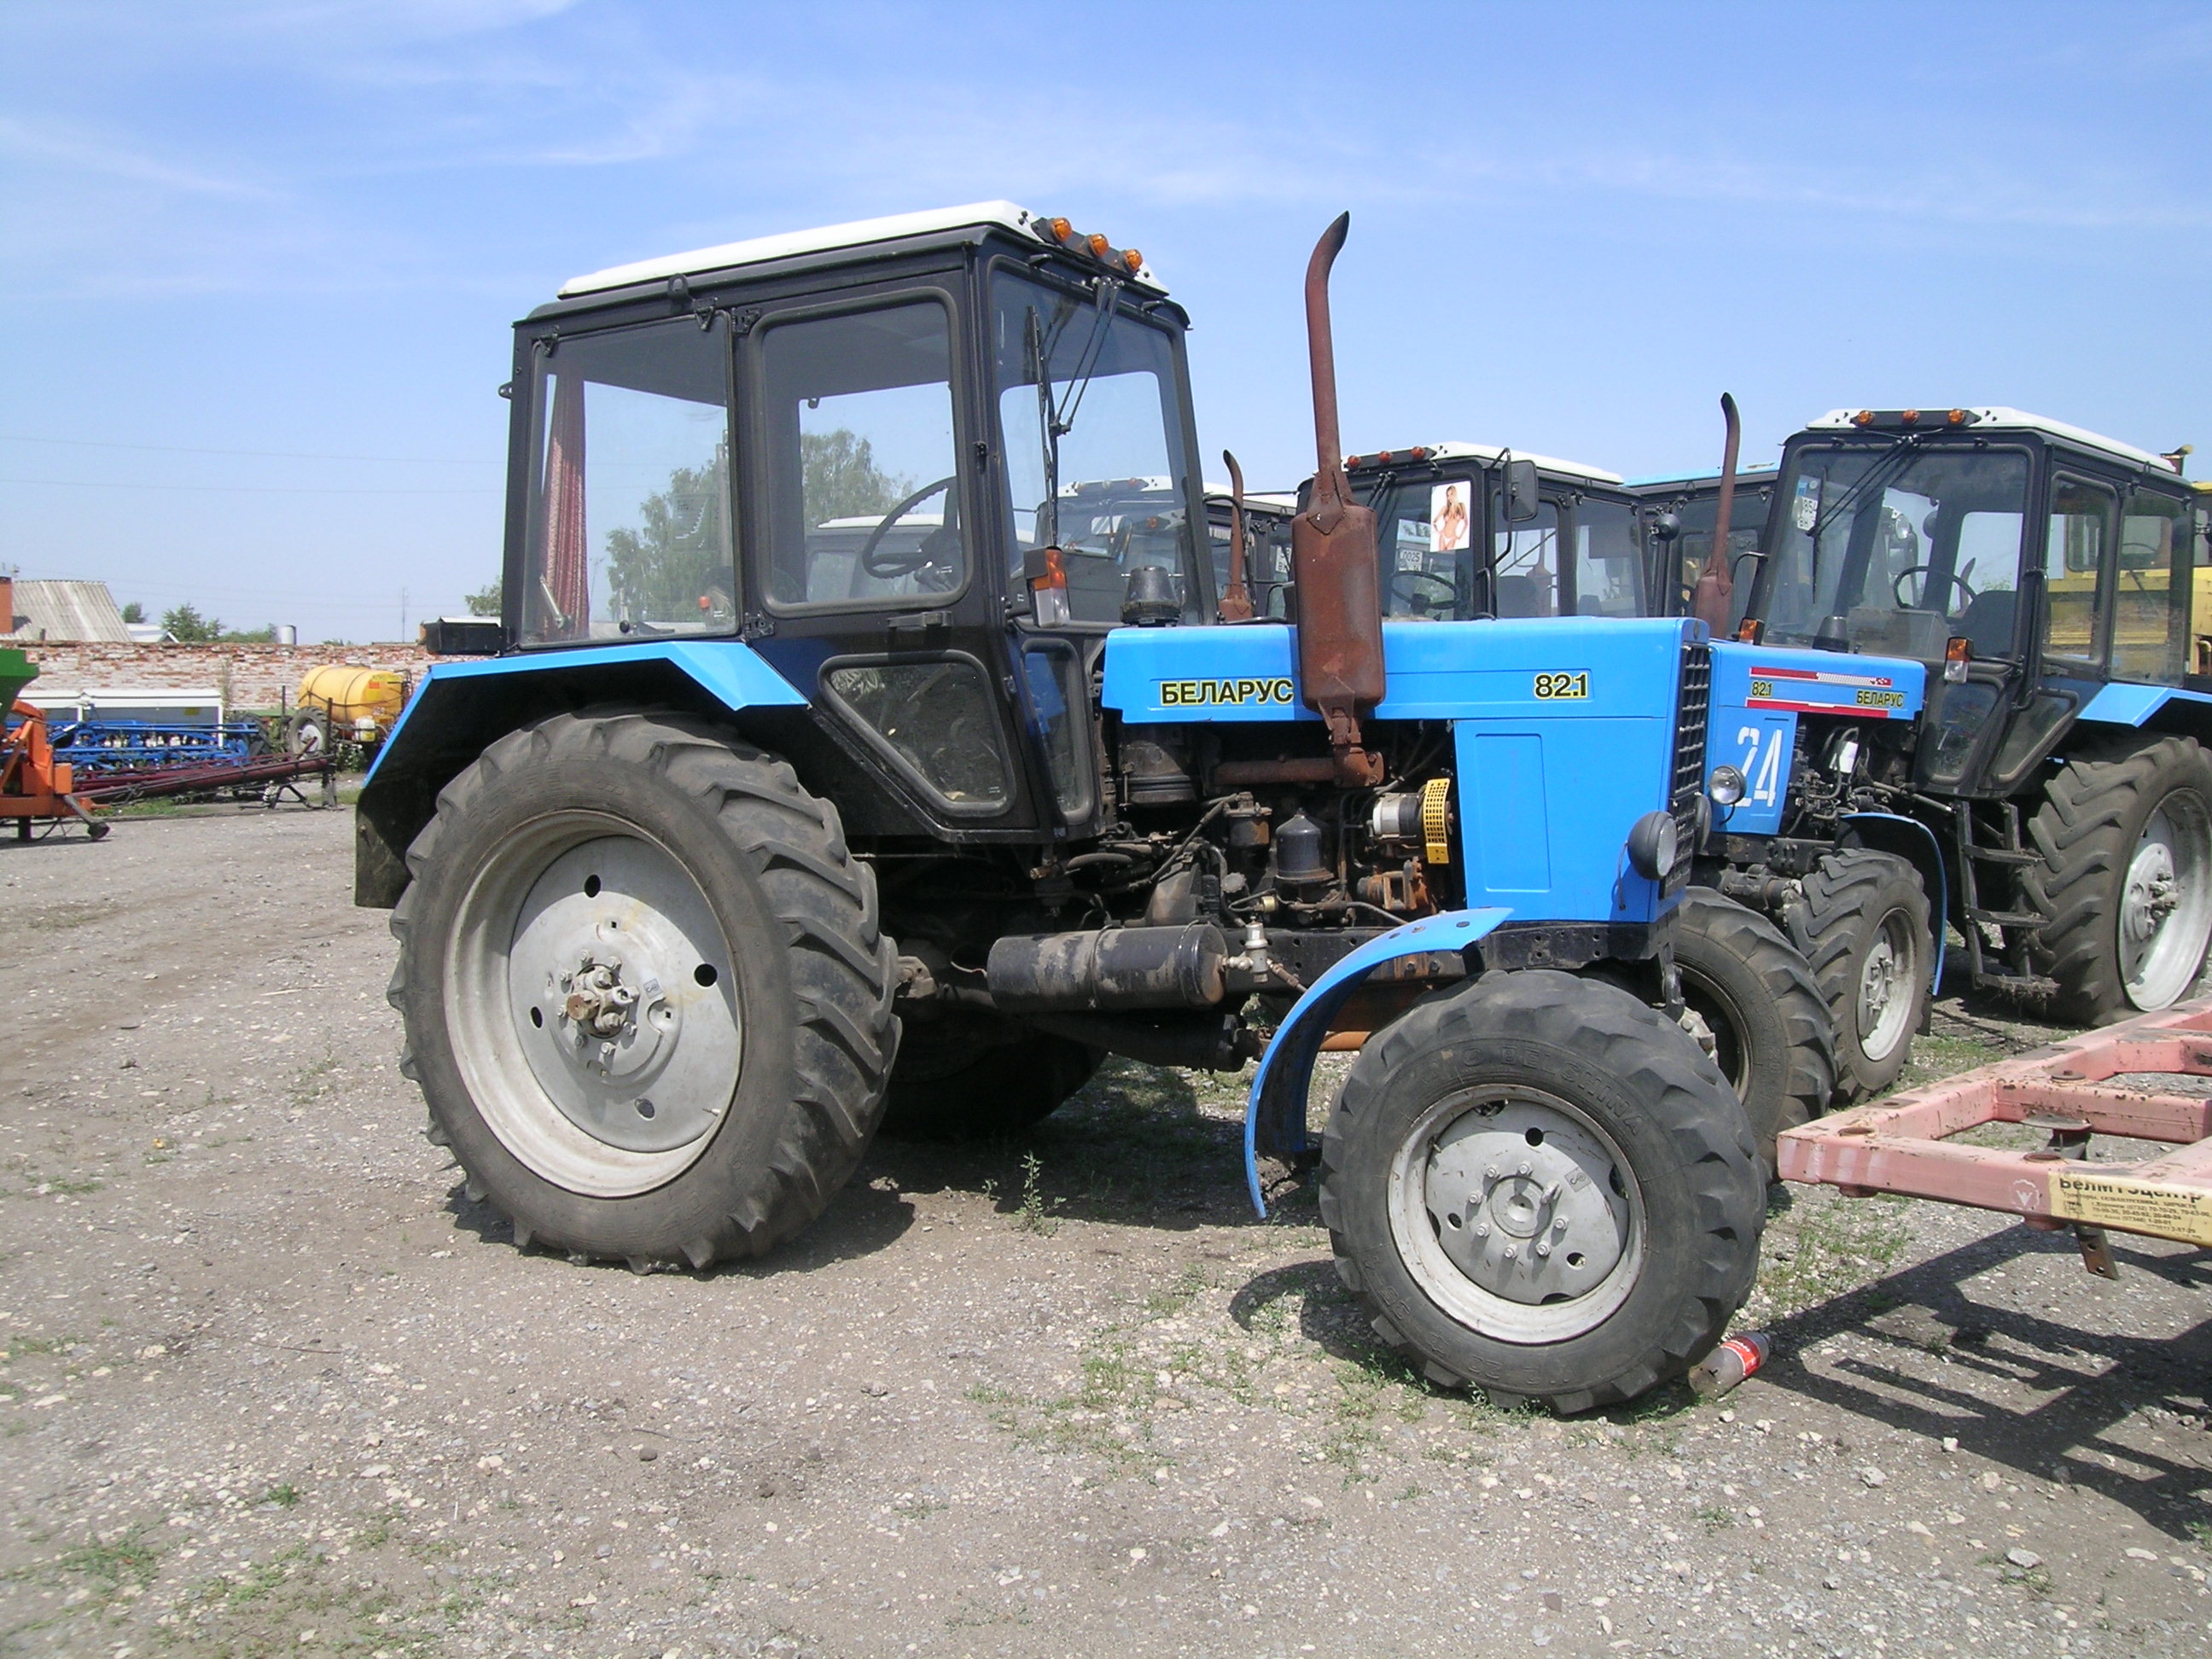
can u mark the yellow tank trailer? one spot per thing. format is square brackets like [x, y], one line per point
[340, 703]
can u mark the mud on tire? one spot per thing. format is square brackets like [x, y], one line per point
[760, 873]
[1616, 1084]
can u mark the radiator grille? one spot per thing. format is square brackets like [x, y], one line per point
[1692, 706]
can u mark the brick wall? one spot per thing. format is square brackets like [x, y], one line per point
[249, 676]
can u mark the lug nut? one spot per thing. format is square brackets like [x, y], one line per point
[1543, 1249]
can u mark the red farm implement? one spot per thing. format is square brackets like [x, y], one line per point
[2121, 1081]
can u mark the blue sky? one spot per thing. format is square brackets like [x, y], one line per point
[300, 229]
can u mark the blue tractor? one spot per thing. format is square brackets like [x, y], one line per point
[1475, 533]
[863, 752]
[2041, 587]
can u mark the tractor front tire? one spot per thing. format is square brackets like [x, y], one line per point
[646, 995]
[973, 1079]
[1537, 1185]
[1863, 927]
[2125, 883]
[1773, 1038]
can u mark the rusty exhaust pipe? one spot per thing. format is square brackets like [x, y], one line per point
[1333, 552]
[1236, 601]
[1715, 593]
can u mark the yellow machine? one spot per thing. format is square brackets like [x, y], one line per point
[341, 702]
[2144, 594]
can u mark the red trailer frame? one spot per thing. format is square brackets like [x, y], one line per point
[1903, 1143]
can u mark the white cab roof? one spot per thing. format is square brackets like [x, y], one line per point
[859, 234]
[1840, 420]
[1456, 452]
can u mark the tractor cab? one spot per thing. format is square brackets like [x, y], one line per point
[1674, 519]
[1267, 516]
[908, 462]
[1468, 530]
[2034, 567]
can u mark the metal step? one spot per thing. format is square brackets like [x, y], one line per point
[2013, 855]
[2026, 919]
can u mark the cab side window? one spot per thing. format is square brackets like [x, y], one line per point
[1525, 562]
[630, 532]
[2084, 519]
[864, 504]
[2152, 590]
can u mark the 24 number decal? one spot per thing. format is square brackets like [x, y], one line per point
[1551, 688]
[1762, 763]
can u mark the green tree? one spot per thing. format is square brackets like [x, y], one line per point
[265, 634]
[485, 601]
[134, 612]
[189, 627]
[841, 477]
[678, 553]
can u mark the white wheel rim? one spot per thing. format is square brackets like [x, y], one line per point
[1525, 1240]
[591, 1005]
[1889, 986]
[2166, 902]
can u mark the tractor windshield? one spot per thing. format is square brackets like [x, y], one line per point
[1894, 550]
[1089, 406]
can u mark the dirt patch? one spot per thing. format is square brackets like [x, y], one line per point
[273, 1385]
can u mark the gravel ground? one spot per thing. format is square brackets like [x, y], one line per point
[272, 1383]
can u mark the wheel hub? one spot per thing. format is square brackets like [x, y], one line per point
[1521, 1203]
[1877, 983]
[616, 1002]
[2153, 893]
[2166, 901]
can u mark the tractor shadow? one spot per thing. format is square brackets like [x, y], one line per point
[1138, 1147]
[2023, 1390]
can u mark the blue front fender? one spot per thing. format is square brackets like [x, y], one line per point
[1275, 1114]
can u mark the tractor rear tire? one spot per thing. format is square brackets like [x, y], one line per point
[1539, 1186]
[1863, 927]
[973, 1079]
[1773, 1038]
[646, 995]
[2125, 883]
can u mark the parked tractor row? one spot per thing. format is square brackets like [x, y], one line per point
[890, 724]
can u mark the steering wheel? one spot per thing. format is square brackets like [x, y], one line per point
[1419, 603]
[927, 553]
[1897, 586]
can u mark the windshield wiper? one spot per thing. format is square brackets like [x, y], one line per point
[1884, 466]
[1056, 418]
[1033, 347]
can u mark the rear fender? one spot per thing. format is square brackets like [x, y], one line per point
[1916, 843]
[461, 708]
[1275, 1114]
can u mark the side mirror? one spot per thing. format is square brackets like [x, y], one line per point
[1666, 527]
[1522, 501]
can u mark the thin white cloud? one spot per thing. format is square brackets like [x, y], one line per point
[77, 152]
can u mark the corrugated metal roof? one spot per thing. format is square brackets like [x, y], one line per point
[66, 610]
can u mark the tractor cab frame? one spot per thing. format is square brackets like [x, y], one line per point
[1472, 530]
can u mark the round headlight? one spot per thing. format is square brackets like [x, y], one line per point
[1652, 844]
[1725, 786]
